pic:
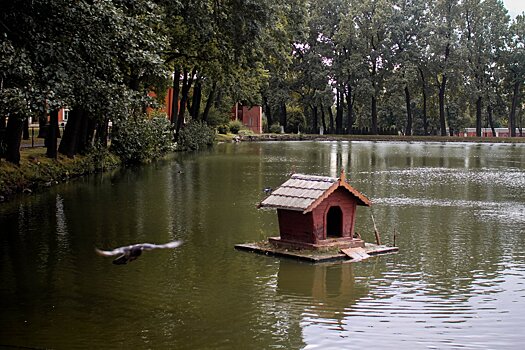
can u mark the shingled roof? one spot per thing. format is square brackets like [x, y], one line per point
[304, 192]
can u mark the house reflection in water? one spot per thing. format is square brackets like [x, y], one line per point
[332, 286]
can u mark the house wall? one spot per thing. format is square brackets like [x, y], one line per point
[348, 205]
[252, 118]
[295, 226]
[249, 116]
[311, 227]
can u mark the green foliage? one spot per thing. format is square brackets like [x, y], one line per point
[195, 136]
[137, 139]
[246, 132]
[223, 129]
[235, 126]
[218, 117]
[296, 119]
[275, 128]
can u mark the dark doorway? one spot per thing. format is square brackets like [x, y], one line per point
[334, 222]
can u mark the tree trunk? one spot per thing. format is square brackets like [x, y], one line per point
[101, 134]
[13, 138]
[315, 123]
[339, 112]
[175, 96]
[25, 132]
[331, 116]
[182, 109]
[478, 117]
[52, 135]
[186, 86]
[323, 119]
[209, 102]
[3, 125]
[350, 107]
[196, 101]
[83, 136]
[408, 130]
[68, 144]
[424, 93]
[514, 106]
[442, 88]
[491, 121]
[283, 117]
[267, 111]
[42, 126]
[374, 116]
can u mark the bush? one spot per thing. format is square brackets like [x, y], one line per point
[162, 136]
[296, 119]
[246, 132]
[275, 129]
[223, 129]
[217, 117]
[195, 136]
[137, 139]
[235, 126]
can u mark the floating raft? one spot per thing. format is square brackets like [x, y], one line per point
[313, 256]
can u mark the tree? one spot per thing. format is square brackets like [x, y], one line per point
[515, 65]
[442, 49]
[94, 57]
[483, 40]
[373, 22]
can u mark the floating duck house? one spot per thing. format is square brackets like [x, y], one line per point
[316, 212]
[317, 221]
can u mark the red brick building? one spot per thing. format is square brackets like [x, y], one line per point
[249, 116]
[316, 212]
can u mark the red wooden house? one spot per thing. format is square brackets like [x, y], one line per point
[249, 116]
[316, 212]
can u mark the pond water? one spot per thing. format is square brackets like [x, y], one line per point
[458, 280]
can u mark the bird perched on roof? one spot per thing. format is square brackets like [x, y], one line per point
[131, 252]
[268, 190]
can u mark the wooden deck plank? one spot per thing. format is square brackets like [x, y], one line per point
[356, 254]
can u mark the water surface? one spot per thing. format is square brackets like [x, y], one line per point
[457, 282]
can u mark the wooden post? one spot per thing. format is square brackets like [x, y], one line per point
[376, 232]
[394, 237]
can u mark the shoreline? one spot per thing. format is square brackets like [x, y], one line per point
[36, 171]
[380, 138]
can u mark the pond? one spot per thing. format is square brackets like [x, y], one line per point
[457, 281]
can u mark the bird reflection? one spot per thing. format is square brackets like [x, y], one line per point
[132, 252]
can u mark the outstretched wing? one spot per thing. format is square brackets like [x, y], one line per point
[169, 245]
[116, 251]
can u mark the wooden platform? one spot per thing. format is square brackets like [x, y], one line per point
[356, 254]
[352, 254]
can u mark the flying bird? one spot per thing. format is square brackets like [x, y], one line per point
[131, 252]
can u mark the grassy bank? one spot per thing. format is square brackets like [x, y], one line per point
[37, 171]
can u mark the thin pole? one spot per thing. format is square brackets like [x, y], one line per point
[394, 236]
[376, 232]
